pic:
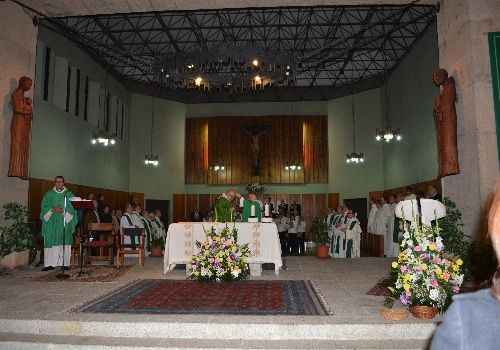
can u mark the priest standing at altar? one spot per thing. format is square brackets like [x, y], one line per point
[224, 207]
[59, 220]
[247, 204]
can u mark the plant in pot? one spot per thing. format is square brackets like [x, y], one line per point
[16, 239]
[319, 233]
[157, 245]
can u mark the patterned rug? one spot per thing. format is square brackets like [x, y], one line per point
[379, 290]
[92, 274]
[189, 297]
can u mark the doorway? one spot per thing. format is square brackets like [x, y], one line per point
[358, 205]
[163, 206]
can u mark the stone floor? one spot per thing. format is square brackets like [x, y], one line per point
[342, 282]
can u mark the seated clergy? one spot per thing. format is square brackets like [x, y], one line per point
[251, 207]
[353, 236]
[196, 215]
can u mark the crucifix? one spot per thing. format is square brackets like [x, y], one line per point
[255, 131]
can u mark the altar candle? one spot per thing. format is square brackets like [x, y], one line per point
[252, 211]
[266, 210]
[241, 201]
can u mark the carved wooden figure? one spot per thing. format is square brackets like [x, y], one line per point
[445, 118]
[20, 130]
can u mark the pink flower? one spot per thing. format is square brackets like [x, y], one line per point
[418, 248]
[446, 276]
[447, 263]
[455, 289]
[434, 283]
[404, 269]
[437, 260]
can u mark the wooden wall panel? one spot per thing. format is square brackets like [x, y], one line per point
[178, 207]
[320, 205]
[222, 140]
[191, 203]
[333, 200]
[35, 195]
[307, 208]
[204, 203]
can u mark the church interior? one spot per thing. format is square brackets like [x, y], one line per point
[173, 105]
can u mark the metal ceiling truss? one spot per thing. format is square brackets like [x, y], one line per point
[332, 45]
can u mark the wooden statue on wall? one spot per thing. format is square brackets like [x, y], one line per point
[445, 118]
[20, 130]
[255, 131]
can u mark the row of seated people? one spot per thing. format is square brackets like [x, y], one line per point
[134, 217]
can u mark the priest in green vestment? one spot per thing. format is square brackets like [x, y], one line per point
[247, 204]
[57, 231]
[224, 207]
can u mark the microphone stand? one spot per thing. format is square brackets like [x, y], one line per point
[63, 275]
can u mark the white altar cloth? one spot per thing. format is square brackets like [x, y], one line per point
[262, 238]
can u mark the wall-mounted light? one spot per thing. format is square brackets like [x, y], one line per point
[292, 166]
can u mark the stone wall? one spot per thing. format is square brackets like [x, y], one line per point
[17, 58]
[463, 28]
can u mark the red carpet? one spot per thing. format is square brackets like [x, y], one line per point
[189, 297]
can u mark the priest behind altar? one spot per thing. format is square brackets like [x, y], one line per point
[247, 205]
[224, 206]
[57, 237]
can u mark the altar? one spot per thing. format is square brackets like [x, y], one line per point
[262, 238]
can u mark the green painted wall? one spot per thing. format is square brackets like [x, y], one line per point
[60, 143]
[411, 100]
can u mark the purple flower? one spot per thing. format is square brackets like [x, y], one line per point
[455, 289]
[404, 299]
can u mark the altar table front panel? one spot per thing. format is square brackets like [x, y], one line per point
[262, 239]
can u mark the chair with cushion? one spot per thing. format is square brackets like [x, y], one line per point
[104, 243]
[136, 235]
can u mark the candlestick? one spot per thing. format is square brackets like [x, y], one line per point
[252, 210]
[266, 210]
[241, 201]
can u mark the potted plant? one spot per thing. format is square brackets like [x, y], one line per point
[157, 245]
[319, 233]
[17, 239]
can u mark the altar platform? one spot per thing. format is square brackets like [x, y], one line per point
[38, 315]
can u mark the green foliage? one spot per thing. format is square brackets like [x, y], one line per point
[18, 236]
[319, 231]
[457, 243]
[157, 242]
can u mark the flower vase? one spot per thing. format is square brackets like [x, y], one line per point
[423, 312]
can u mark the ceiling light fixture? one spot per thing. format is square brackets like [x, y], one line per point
[388, 134]
[151, 158]
[354, 157]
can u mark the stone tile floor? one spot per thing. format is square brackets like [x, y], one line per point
[342, 282]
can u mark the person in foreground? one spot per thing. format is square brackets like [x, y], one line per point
[473, 319]
[57, 237]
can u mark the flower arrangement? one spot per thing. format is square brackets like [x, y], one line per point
[255, 187]
[220, 257]
[426, 276]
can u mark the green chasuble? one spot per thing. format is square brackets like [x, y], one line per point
[245, 214]
[52, 230]
[222, 212]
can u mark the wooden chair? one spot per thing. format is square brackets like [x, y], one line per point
[75, 247]
[128, 248]
[105, 242]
